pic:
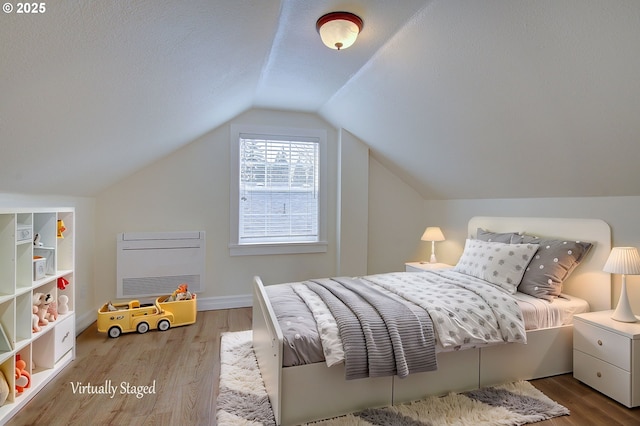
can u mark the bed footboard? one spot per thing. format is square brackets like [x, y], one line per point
[267, 345]
[312, 391]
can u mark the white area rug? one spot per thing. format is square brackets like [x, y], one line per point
[243, 399]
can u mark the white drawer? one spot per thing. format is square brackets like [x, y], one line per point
[64, 335]
[608, 379]
[600, 343]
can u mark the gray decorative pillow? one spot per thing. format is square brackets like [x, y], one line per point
[498, 263]
[496, 237]
[551, 266]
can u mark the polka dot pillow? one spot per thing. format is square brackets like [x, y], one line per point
[498, 263]
[551, 265]
[496, 237]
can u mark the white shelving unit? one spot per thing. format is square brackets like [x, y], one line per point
[48, 351]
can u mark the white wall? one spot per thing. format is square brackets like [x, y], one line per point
[85, 245]
[189, 190]
[375, 219]
[398, 216]
[396, 221]
[621, 213]
[353, 209]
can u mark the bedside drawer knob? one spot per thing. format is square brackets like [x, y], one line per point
[599, 374]
[599, 344]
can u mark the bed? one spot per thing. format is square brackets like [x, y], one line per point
[313, 391]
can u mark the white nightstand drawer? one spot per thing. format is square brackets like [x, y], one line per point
[602, 376]
[64, 337]
[603, 344]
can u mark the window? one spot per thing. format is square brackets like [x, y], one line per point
[277, 190]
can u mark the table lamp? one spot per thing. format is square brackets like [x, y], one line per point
[625, 261]
[433, 234]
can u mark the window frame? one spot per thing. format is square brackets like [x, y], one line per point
[236, 248]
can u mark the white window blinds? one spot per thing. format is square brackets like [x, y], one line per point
[278, 191]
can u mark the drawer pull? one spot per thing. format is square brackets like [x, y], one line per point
[599, 342]
[65, 336]
[599, 374]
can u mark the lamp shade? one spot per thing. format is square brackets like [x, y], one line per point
[432, 233]
[623, 260]
[339, 30]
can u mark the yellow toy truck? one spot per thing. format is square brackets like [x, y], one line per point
[165, 312]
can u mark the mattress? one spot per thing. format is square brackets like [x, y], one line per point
[302, 341]
[539, 313]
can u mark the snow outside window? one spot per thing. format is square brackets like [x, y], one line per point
[277, 183]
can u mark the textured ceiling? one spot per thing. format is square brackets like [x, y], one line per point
[482, 99]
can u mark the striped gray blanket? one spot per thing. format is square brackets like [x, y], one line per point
[381, 335]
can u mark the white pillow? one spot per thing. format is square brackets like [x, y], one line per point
[498, 263]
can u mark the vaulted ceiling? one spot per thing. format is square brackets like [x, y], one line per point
[461, 99]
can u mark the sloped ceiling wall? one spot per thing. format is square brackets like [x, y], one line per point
[505, 99]
[482, 99]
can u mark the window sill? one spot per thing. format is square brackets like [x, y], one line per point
[282, 248]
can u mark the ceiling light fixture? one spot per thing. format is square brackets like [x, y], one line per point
[339, 30]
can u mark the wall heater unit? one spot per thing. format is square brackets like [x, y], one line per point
[155, 263]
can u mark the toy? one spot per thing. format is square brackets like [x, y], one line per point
[4, 388]
[61, 228]
[63, 304]
[133, 316]
[35, 320]
[181, 293]
[62, 283]
[52, 311]
[23, 378]
[42, 301]
[36, 304]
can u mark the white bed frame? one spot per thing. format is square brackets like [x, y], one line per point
[314, 391]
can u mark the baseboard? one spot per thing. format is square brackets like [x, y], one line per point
[85, 320]
[224, 302]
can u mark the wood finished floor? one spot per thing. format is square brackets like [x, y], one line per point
[185, 364]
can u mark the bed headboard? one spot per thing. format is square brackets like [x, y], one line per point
[588, 281]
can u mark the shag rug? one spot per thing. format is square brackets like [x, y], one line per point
[243, 399]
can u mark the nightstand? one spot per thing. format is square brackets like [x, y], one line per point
[606, 356]
[419, 266]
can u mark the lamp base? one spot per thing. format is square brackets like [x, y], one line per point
[623, 312]
[432, 259]
[623, 316]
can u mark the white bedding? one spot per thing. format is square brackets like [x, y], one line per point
[416, 287]
[441, 293]
[539, 313]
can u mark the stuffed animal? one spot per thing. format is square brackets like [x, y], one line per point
[63, 307]
[36, 304]
[4, 388]
[23, 378]
[181, 293]
[62, 283]
[52, 311]
[42, 301]
[35, 320]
